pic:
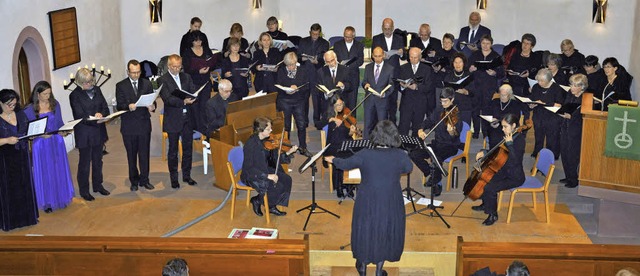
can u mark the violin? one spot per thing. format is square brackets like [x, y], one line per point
[273, 142]
[452, 118]
[348, 120]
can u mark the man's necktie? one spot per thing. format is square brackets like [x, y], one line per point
[415, 68]
[376, 74]
[135, 87]
[333, 75]
[473, 34]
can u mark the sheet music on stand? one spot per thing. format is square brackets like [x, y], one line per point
[312, 159]
[408, 143]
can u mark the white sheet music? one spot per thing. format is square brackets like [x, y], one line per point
[426, 201]
[70, 125]
[355, 173]
[148, 99]
[36, 127]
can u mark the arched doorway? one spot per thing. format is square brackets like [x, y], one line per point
[30, 62]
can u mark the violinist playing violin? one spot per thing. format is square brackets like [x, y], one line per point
[446, 139]
[259, 169]
[511, 174]
[341, 127]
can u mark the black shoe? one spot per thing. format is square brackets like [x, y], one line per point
[340, 193]
[571, 185]
[102, 191]
[491, 219]
[437, 190]
[478, 207]
[48, 210]
[383, 273]
[533, 155]
[255, 202]
[475, 135]
[306, 153]
[87, 197]
[175, 184]
[133, 188]
[274, 210]
[564, 180]
[190, 181]
[147, 186]
[325, 164]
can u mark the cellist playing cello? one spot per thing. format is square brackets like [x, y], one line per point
[510, 176]
[446, 137]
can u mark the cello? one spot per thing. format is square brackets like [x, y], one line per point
[487, 167]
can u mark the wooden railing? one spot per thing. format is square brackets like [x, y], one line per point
[147, 256]
[546, 258]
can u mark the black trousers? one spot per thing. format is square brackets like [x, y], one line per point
[547, 127]
[570, 152]
[278, 193]
[295, 109]
[441, 151]
[90, 161]
[375, 110]
[137, 147]
[186, 135]
[490, 195]
[412, 112]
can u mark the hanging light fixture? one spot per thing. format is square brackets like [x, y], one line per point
[599, 11]
[257, 4]
[155, 11]
[481, 4]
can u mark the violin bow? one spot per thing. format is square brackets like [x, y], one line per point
[279, 149]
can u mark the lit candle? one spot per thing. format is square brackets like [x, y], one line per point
[86, 66]
[65, 83]
[109, 71]
[71, 75]
[102, 68]
[93, 66]
[79, 67]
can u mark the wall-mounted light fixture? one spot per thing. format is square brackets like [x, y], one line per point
[155, 11]
[102, 77]
[481, 4]
[257, 4]
[599, 10]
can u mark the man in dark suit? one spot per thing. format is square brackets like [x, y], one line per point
[393, 46]
[347, 49]
[178, 119]
[216, 110]
[413, 105]
[429, 46]
[185, 42]
[469, 38]
[377, 75]
[310, 51]
[87, 100]
[332, 76]
[135, 124]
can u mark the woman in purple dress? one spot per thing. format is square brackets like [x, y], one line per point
[51, 174]
[17, 201]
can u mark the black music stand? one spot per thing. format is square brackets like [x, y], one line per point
[410, 194]
[311, 162]
[435, 163]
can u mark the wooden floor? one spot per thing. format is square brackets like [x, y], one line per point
[157, 212]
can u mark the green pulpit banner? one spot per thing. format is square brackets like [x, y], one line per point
[623, 132]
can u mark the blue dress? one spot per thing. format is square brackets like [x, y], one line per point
[17, 199]
[51, 173]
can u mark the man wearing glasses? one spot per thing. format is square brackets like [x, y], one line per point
[350, 52]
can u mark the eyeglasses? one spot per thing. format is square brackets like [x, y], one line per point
[11, 103]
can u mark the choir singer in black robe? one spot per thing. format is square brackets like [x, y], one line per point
[415, 93]
[545, 122]
[291, 103]
[571, 131]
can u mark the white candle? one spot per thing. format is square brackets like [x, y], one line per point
[102, 68]
[86, 66]
[71, 75]
[109, 71]
[93, 66]
[65, 83]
